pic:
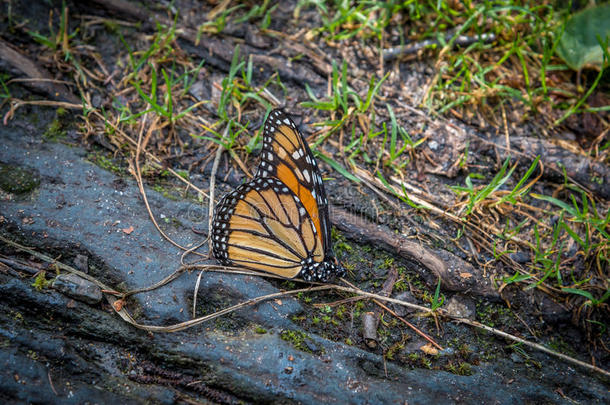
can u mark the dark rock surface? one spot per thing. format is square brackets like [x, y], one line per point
[54, 349]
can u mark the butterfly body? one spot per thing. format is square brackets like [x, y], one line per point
[279, 221]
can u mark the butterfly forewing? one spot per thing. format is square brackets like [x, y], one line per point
[287, 156]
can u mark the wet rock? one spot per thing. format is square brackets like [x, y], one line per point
[78, 288]
[401, 310]
[461, 307]
[89, 352]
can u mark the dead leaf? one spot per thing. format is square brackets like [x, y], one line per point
[429, 349]
[118, 305]
[128, 230]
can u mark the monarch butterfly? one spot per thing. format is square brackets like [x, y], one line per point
[278, 222]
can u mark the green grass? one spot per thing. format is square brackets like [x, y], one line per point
[343, 19]
[437, 299]
[57, 41]
[343, 99]
[577, 223]
[476, 196]
[238, 14]
[239, 93]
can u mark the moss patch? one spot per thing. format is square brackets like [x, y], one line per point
[57, 129]
[17, 180]
[298, 340]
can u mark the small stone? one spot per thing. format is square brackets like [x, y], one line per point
[433, 145]
[401, 310]
[520, 257]
[516, 358]
[81, 262]
[96, 100]
[461, 307]
[198, 91]
[78, 288]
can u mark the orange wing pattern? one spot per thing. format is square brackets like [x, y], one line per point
[278, 222]
[265, 227]
[287, 157]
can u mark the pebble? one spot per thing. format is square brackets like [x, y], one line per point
[461, 307]
[78, 288]
[81, 262]
[401, 310]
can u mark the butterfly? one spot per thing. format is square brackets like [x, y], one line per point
[278, 222]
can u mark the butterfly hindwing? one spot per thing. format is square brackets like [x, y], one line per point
[263, 226]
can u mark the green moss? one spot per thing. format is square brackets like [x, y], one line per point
[41, 282]
[105, 163]
[494, 314]
[392, 350]
[341, 311]
[561, 346]
[18, 316]
[17, 180]
[459, 369]
[184, 174]
[111, 26]
[32, 355]
[57, 128]
[260, 330]
[358, 309]
[401, 286]
[297, 339]
[387, 263]
[302, 297]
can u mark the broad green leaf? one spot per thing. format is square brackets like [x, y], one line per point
[580, 43]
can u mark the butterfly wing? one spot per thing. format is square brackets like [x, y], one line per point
[262, 225]
[287, 157]
[279, 221]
